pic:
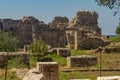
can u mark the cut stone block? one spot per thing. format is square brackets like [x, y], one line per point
[49, 69]
[81, 61]
[109, 78]
[63, 52]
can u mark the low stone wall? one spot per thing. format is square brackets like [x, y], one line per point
[24, 57]
[81, 61]
[44, 71]
[63, 52]
[109, 78]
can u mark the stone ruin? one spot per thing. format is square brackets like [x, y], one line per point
[63, 52]
[82, 32]
[113, 47]
[109, 78]
[44, 71]
[61, 22]
[4, 56]
[86, 19]
[81, 61]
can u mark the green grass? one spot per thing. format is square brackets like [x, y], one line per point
[54, 58]
[78, 52]
[62, 61]
[16, 63]
[75, 75]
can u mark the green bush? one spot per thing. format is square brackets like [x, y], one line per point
[37, 50]
[55, 58]
[38, 47]
[8, 43]
[118, 29]
[16, 63]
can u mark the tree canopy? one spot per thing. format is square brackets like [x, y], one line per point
[118, 29]
[111, 4]
[8, 43]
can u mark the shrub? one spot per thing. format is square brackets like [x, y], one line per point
[37, 50]
[8, 43]
[38, 47]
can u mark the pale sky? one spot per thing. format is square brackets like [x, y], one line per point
[45, 10]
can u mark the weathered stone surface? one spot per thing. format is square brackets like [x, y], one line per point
[81, 61]
[60, 22]
[44, 71]
[27, 30]
[10, 25]
[33, 74]
[63, 52]
[86, 19]
[54, 37]
[81, 33]
[113, 47]
[1, 26]
[26, 48]
[85, 39]
[109, 78]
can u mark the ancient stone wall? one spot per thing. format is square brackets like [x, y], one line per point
[53, 36]
[86, 19]
[10, 25]
[81, 61]
[58, 21]
[89, 40]
[81, 33]
[26, 31]
[24, 57]
[63, 52]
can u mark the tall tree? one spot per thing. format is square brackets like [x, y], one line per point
[7, 44]
[111, 4]
[118, 29]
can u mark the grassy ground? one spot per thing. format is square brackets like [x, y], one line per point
[108, 61]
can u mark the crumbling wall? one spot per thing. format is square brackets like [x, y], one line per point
[9, 25]
[81, 61]
[86, 19]
[81, 33]
[53, 36]
[58, 21]
[89, 40]
[24, 57]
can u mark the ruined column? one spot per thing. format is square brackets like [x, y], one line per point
[76, 40]
[68, 42]
[49, 69]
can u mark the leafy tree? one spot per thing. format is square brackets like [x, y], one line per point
[118, 29]
[111, 4]
[8, 43]
[38, 47]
